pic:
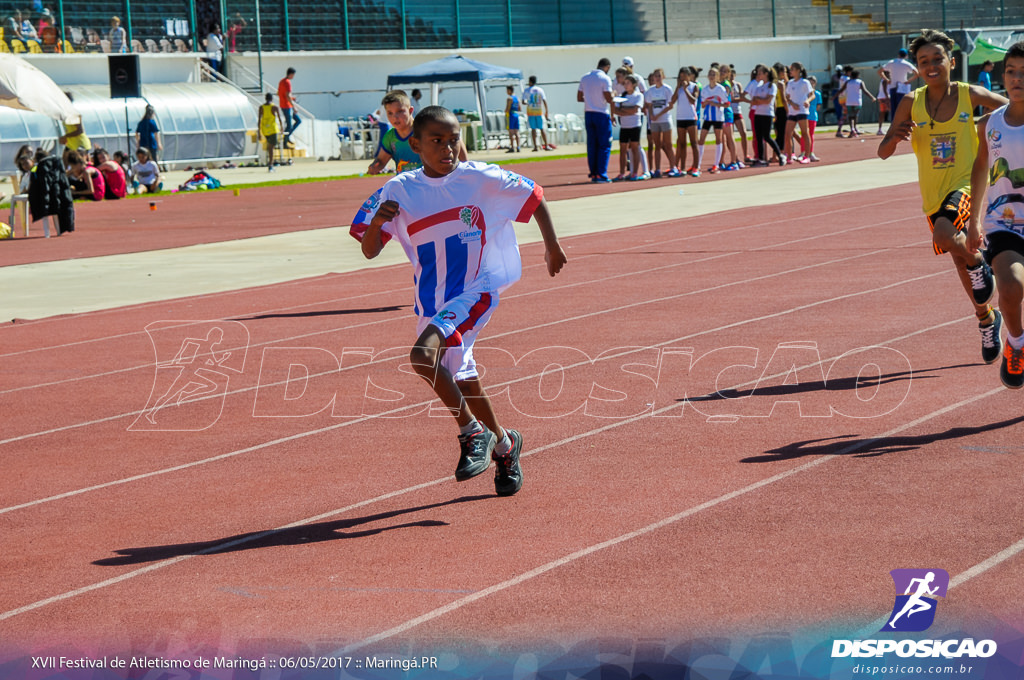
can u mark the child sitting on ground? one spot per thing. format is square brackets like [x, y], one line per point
[146, 173]
[86, 181]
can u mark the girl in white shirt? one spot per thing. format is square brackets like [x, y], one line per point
[641, 87]
[685, 101]
[762, 103]
[628, 110]
[24, 161]
[799, 95]
[146, 172]
[619, 89]
[657, 104]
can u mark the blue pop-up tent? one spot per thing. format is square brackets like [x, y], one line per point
[455, 68]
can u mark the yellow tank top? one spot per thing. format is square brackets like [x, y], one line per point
[77, 142]
[945, 152]
[268, 121]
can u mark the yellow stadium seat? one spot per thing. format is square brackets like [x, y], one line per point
[17, 46]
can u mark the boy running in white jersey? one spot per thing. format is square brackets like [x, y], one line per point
[454, 221]
[999, 216]
[938, 121]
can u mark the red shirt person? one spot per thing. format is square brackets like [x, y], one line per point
[287, 105]
[116, 186]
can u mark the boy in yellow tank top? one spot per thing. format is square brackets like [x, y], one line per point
[268, 124]
[938, 121]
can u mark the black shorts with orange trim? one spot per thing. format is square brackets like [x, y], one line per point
[957, 209]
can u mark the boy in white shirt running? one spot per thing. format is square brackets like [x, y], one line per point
[454, 221]
[998, 217]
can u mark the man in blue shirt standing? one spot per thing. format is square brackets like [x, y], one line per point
[985, 77]
[147, 133]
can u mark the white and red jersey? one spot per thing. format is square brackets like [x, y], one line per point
[456, 230]
[717, 94]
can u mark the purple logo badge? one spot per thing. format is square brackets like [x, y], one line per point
[917, 593]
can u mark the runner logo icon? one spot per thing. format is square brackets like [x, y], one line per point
[195, 361]
[917, 593]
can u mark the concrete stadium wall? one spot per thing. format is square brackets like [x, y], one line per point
[359, 77]
[319, 75]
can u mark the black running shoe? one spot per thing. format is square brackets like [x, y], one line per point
[1012, 370]
[508, 476]
[476, 454]
[982, 285]
[991, 343]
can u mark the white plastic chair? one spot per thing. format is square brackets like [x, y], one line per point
[575, 125]
[554, 133]
[22, 200]
[562, 124]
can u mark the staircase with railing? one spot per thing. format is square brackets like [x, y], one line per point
[856, 16]
[249, 84]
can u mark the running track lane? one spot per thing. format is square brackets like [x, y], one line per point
[789, 543]
[128, 226]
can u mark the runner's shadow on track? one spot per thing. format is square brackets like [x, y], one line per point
[301, 535]
[332, 312]
[873, 446]
[837, 384]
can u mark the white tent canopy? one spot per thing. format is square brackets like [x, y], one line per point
[23, 86]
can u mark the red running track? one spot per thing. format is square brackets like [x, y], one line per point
[209, 217]
[753, 423]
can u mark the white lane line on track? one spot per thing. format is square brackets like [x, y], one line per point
[661, 243]
[361, 272]
[347, 423]
[650, 528]
[352, 327]
[556, 289]
[576, 318]
[537, 571]
[231, 454]
[963, 577]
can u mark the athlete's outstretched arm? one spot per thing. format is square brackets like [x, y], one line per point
[979, 186]
[372, 243]
[554, 256]
[900, 129]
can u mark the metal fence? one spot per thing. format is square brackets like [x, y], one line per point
[298, 25]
